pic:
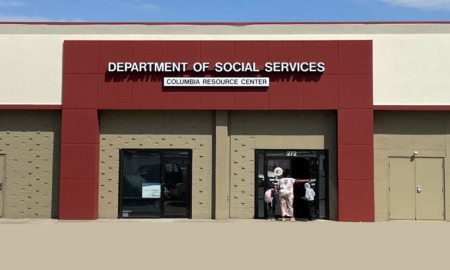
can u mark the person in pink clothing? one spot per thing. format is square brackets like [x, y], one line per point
[286, 191]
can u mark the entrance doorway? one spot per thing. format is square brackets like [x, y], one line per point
[303, 164]
[416, 188]
[155, 183]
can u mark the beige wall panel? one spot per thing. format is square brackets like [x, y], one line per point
[411, 69]
[30, 141]
[156, 130]
[399, 134]
[252, 130]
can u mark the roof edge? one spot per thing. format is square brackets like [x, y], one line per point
[221, 23]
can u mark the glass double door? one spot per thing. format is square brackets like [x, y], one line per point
[155, 183]
[301, 164]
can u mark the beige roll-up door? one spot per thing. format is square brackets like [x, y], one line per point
[429, 188]
[2, 181]
[402, 192]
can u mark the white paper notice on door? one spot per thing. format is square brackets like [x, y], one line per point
[151, 190]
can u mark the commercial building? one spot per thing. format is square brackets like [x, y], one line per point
[189, 120]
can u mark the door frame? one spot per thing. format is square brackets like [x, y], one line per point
[318, 152]
[189, 183]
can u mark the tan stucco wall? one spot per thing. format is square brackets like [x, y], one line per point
[156, 130]
[30, 141]
[222, 165]
[252, 130]
[399, 134]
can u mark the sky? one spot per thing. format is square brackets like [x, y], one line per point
[223, 11]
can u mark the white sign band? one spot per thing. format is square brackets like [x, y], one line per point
[216, 82]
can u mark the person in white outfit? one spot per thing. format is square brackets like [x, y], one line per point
[286, 191]
[309, 195]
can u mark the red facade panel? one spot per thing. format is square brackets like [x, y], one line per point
[79, 126]
[209, 53]
[355, 127]
[321, 94]
[282, 87]
[322, 51]
[287, 90]
[355, 162]
[114, 92]
[252, 99]
[79, 161]
[146, 93]
[183, 51]
[286, 51]
[118, 51]
[78, 199]
[80, 57]
[80, 91]
[355, 57]
[183, 99]
[358, 204]
[253, 52]
[217, 99]
[355, 91]
[144, 51]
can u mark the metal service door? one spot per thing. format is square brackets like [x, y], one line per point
[402, 189]
[429, 188]
[416, 188]
[2, 182]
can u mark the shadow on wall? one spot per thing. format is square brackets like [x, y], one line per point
[159, 77]
[134, 77]
[411, 123]
[287, 123]
[156, 122]
[56, 171]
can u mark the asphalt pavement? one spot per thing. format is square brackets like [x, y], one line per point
[214, 244]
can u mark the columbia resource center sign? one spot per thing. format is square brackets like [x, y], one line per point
[199, 67]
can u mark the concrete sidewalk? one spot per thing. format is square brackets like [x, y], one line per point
[230, 244]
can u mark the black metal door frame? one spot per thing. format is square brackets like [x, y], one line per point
[317, 153]
[163, 156]
[189, 184]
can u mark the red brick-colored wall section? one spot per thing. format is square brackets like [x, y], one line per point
[79, 133]
[346, 86]
[287, 91]
[355, 132]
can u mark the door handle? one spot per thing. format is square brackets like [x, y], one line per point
[419, 189]
[1, 186]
